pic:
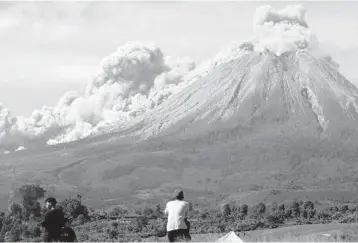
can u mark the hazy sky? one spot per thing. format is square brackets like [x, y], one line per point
[47, 48]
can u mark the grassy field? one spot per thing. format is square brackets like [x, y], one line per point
[298, 233]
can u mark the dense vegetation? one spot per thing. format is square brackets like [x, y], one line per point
[21, 222]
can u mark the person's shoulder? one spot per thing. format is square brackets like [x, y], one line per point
[169, 203]
[58, 211]
[182, 203]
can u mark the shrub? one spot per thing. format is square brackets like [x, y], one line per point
[244, 210]
[225, 210]
[11, 230]
[333, 209]
[273, 220]
[117, 211]
[308, 205]
[30, 195]
[73, 208]
[295, 209]
[344, 209]
[16, 210]
[235, 211]
[159, 213]
[323, 215]
[304, 214]
[281, 208]
[138, 224]
[147, 212]
[258, 210]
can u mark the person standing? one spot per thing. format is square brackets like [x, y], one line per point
[53, 221]
[177, 211]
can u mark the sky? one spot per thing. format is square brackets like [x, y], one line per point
[48, 48]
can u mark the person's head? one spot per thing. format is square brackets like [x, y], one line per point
[178, 195]
[50, 203]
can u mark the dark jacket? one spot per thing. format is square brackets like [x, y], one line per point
[54, 220]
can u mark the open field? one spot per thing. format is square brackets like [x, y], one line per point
[297, 233]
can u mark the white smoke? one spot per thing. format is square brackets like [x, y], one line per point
[138, 77]
[281, 31]
[135, 78]
[20, 148]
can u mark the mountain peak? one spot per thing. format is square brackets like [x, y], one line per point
[261, 89]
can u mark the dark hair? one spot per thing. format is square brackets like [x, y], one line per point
[51, 200]
[178, 195]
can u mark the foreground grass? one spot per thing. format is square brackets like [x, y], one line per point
[301, 233]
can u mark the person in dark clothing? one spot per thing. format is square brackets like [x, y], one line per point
[53, 221]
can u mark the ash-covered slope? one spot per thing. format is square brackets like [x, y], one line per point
[263, 88]
[280, 76]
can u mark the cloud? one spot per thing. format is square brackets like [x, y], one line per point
[326, 26]
[43, 21]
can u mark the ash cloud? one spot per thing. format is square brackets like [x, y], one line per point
[138, 77]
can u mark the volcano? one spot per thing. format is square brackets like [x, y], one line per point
[280, 78]
[272, 120]
[261, 89]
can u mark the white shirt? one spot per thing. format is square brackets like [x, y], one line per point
[177, 211]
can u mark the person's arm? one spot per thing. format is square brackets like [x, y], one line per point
[44, 221]
[186, 215]
[186, 210]
[166, 211]
[62, 218]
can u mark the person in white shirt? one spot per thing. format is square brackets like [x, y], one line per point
[178, 225]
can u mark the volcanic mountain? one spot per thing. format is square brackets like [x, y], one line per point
[273, 121]
[261, 89]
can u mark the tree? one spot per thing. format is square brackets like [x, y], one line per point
[11, 229]
[15, 210]
[304, 213]
[274, 207]
[308, 205]
[30, 194]
[235, 211]
[147, 211]
[274, 220]
[158, 211]
[344, 208]
[258, 210]
[72, 208]
[295, 209]
[191, 207]
[139, 224]
[333, 209]
[117, 211]
[281, 208]
[244, 210]
[225, 210]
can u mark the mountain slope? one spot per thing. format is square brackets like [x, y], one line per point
[261, 88]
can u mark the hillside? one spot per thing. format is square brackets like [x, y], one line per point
[223, 165]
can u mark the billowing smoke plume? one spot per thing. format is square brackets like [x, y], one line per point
[135, 78]
[281, 31]
[138, 77]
